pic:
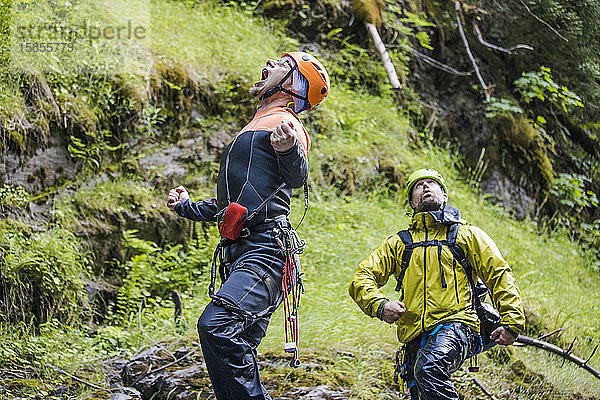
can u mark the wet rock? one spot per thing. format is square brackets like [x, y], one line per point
[322, 392]
[509, 195]
[48, 166]
[153, 374]
[163, 162]
[100, 293]
[121, 396]
[218, 141]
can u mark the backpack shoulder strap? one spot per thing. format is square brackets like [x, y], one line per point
[456, 250]
[406, 238]
[461, 258]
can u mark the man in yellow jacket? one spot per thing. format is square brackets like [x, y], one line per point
[435, 315]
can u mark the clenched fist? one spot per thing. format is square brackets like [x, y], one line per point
[392, 311]
[176, 195]
[283, 137]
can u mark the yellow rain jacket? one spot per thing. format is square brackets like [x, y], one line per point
[427, 302]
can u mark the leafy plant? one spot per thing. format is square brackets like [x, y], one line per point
[570, 191]
[150, 120]
[501, 106]
[153, 272]
[93, 149]
[13, 196]
[540, 85]
[573, 203]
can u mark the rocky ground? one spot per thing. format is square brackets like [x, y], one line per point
[156, 373]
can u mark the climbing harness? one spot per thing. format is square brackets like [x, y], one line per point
[232, 222]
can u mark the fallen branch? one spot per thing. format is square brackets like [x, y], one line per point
[544, 22]
[486, 89]
[565, 354]
[14, 373]
[79, 379]
[496, 47]
[385, 57]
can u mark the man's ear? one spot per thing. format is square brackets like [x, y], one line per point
[445, 197]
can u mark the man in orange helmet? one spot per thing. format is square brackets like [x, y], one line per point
[258, 170]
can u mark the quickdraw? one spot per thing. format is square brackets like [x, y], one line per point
[292, 291]
[400, 366]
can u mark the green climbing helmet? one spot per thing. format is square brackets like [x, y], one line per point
[423, 174]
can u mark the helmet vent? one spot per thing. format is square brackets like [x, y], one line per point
[316, 66]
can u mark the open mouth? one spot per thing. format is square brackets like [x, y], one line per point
[264, 74]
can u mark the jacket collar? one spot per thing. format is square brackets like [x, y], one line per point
[447, 215]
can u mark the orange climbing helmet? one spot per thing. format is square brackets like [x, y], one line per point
[310, 83]
[315, 74]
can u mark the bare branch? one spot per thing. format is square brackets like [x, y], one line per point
[550, 334]
[385, 57]
[176, 297]
[544, 22]
[591, 355]
[496, 47]
[486, 89]
[79, 379]
[436, 63]
[568, 351]
[566, 354]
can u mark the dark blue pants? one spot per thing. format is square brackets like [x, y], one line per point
[235, 321]
[433, 356]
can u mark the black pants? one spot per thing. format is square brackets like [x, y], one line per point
[433, 356]
[235, 321]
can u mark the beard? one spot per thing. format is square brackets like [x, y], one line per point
[432, 204]
[255, 91]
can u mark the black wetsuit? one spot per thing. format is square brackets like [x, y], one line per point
[250, 171]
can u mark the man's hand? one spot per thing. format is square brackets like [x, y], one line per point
[501, 336]
[283, 137]
[176, 195]
[392, 311]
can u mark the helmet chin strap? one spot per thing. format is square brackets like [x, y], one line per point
[279, 88]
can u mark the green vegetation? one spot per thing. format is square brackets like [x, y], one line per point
[42, 275]
[153, 273]
[122, 99]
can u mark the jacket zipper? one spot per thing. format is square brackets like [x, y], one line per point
[455, 283]
[424, 273]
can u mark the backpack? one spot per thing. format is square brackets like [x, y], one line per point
[489, 317]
